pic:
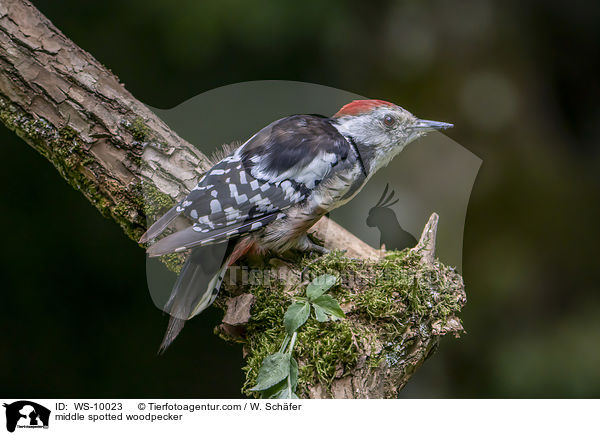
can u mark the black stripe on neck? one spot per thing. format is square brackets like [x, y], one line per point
[360, 160]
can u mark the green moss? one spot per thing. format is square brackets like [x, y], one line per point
[60, 146]
[174, 262]
[63, 148]
[143, 134]
[389, 300]
[325, 348]
[265, 331]
[138, 129]
[155, 201]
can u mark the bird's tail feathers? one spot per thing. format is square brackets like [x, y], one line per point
[196, 288]
[173, 329]
[159, 226]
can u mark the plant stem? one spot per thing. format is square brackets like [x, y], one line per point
[284, 344]
[293, 342]
[291, 348]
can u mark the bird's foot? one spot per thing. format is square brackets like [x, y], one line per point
[306, 244]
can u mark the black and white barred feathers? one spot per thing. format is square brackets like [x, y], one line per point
[275, 169]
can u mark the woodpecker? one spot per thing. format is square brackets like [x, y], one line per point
[265, 195]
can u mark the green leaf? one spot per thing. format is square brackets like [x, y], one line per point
[295, 316]
[274, 391]
[330, 306]
[320, 314]
[283, 394]
[273, 370]
[280, 390]
[320, 285]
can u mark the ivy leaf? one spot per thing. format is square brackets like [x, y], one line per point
[320, 285]
[273, 370]
[330, 306]
[296, 316]
[320, 314]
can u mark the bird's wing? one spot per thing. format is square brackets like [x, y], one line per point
[275, 169]
[299, 148]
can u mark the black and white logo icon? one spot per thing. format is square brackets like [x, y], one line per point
[25, 414]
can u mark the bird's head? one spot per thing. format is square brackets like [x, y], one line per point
[380, 130]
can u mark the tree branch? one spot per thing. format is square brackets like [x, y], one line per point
[132, 166]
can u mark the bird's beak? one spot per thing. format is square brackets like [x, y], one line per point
[424, 125]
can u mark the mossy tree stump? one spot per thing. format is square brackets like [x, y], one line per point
[397, 308]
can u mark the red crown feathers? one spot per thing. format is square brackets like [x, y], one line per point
[358, 107]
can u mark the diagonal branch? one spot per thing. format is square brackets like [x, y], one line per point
[74, 111]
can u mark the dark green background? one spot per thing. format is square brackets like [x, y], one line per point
[518, 78]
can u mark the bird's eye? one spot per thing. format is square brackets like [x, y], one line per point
[389, 120]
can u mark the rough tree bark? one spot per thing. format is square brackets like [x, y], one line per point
[131, 166]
